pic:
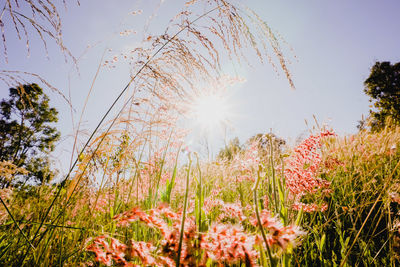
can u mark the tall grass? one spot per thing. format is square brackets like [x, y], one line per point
[358, 226]
[225, 212]
[130, 198]
[129, 154]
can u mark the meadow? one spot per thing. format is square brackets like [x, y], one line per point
[137, 195]
[330, 201]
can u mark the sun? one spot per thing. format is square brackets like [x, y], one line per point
[210, 111]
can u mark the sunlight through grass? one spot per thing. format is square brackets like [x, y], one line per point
[211, 111]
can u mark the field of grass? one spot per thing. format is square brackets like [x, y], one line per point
[330, 201]
[137, 196]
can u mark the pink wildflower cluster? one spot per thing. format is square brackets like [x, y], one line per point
[223, 243]
[229, 244]
[150, 169]
[144, 251]
[228, 210]
[212, 200]
[115, 251]
[98, 202]
[278, 234]
[246, 163]
[302, 165]
[232, 211]
[103, 202]
[394, 197]
[107, 252]
[310, 207]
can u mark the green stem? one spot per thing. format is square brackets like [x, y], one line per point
[200, 193]
[15, 222]
[63, 182]
[161, 168]
[255, 187]
[273, 174]
[178, 259]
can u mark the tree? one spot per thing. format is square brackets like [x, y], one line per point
[264, 146]
[230, 150]
[383, 86]
[26, 137]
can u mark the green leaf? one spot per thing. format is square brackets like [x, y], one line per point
[299, 217]
[322, 243]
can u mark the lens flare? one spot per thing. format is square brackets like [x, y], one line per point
[210, 111]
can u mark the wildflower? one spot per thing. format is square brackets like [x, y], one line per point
[286, 236]
[249, 161]
[278, 234]
[229, 244]
[310, 207]
[106, 253]
[301, 167]
[186, 150]
[267, 220]
[143, 251]
[131, 216]
[232, 210]
[394, 197]
[170, 234]
[212, 201]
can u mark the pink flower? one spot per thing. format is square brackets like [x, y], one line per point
[106, 253]
[232, 210]
[170, 234]
[229, 244]
[310, 207]
[143, 251]
[302, 166]
[131, 216]
[278, 234]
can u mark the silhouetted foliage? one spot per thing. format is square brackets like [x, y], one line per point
[26, 137]
[230, 150]
[264, 146]
[383, 86]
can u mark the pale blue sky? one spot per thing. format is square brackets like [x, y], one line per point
[336, 43]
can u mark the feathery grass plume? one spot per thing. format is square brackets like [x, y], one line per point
[40, 17]
[15, 79]
[29, 19]
[8, 170]
[168, 77]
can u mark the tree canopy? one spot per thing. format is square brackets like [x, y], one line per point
[383, 86]
[26, 134]
[263, 145]
[230, 150]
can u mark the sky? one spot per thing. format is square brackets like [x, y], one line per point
[335, 43]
